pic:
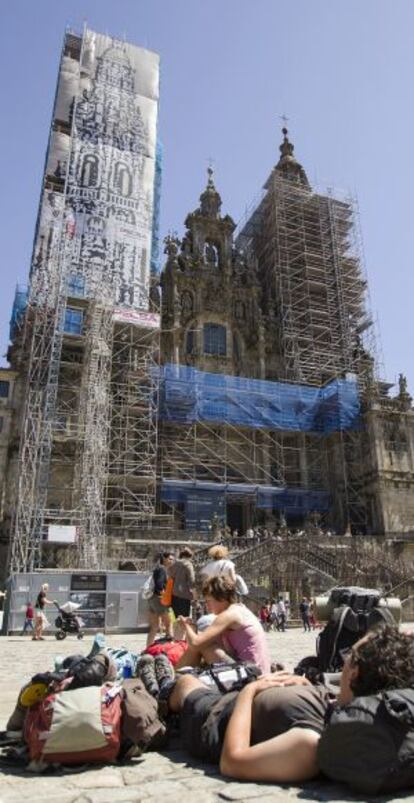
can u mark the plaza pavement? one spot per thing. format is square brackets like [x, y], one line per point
[170, 776]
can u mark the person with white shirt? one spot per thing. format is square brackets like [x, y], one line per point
[281, 615]
[219, 563]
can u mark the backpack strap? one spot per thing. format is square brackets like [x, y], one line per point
[380, 614]
[340, 623]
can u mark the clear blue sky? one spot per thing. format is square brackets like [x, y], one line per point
[341, 71]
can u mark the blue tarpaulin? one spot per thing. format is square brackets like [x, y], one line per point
[19, 306]
[188, 395]
[204, 500]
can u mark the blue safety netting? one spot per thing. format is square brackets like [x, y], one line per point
[204, 500]
[19, 306]
[188, 395]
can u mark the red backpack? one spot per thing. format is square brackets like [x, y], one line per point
[75, 727]
[172, 649]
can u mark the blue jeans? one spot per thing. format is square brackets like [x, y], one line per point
[28, 625]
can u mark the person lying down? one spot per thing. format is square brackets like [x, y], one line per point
[270, 730]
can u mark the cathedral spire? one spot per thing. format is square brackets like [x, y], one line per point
[288, 164]
[210, 200]
[286, 148]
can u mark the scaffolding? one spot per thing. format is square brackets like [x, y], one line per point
[206, 464]
[309, 251]
[90, 474]
[87, 452]
[298, 430]
[41, 346]
[133, 439]
[309, 254]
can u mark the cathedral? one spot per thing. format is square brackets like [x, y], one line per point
[235, 387]
[271, 410]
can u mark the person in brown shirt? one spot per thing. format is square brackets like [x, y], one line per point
[183, 574]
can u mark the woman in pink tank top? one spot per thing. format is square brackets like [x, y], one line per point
[235, 633]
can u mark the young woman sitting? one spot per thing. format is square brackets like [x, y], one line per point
[234, 635]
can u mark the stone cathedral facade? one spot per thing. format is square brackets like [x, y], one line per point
[284, 302]
[238, 386]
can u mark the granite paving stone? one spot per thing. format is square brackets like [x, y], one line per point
[171, 775]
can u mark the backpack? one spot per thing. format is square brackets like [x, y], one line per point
[369, 743]
[141, 725]
[75, 727]
[148, 587]
[166, 596]
[356, 611]
[86, 671]
[345, 627]
[172, 649]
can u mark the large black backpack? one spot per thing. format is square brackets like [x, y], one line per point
[369, 743]
[345, 627]
[356, 611]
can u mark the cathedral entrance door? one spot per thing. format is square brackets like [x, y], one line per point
[235, 517]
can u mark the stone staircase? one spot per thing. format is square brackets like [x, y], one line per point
[254, 558]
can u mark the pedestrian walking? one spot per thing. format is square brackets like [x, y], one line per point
[287, 609]
[41, 620]
[219, 563]
[312, 618]
[158, 607]
[281, 615]
[304, 610]
[183, 574]
[264, 615]
[28, 619]
[273, 615]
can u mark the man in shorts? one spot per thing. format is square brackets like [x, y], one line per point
[183, 574]
[159, 614]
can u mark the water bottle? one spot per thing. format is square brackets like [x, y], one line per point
[58, 662]
[127, 669]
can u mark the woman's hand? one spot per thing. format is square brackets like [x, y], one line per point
[185, 620]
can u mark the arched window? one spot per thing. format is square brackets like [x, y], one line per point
[89, 174]
[122, 180]
[211, 254]
[215, 339]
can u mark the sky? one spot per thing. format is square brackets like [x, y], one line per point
[342, 72]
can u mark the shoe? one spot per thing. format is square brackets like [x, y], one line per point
[165, 674]
[164, 669]
[98, 645]
[145, 671]
[129, 750]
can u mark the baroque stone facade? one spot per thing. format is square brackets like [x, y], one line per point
[210, 290]
[284, 302]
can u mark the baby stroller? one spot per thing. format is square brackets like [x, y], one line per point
[68, 621]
